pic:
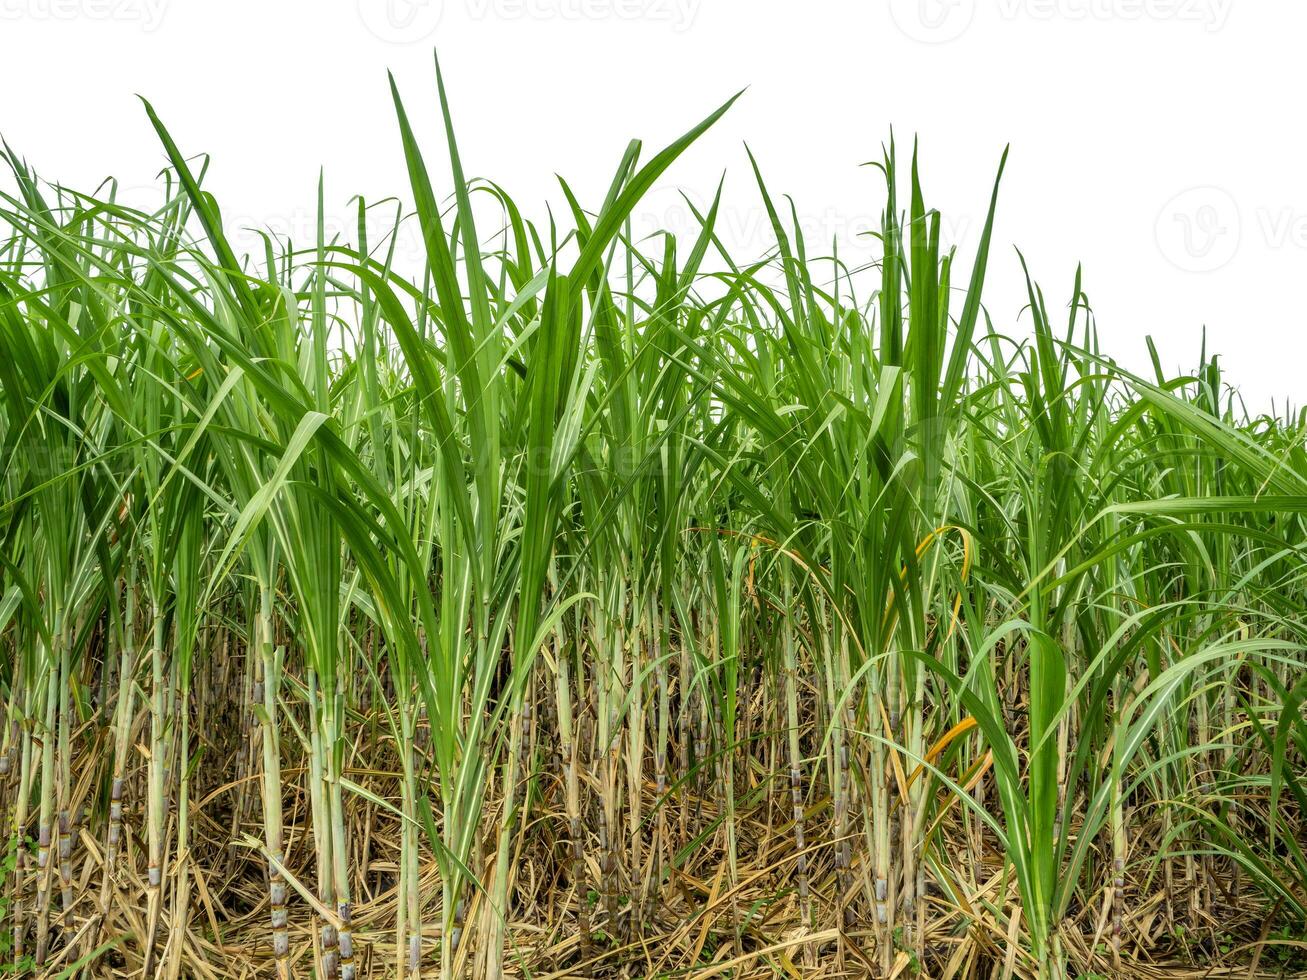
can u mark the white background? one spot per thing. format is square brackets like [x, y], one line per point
[1159, 142]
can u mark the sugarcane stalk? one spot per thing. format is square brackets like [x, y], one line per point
[65, 782]
[181, 888]
[156, 804]
[320, 806]
[497, 909]
[339, 838]
[46, 814]
[633, 638]
[654, 886]
[124, 711]
[569, 754]
[409, 924]
[271, 658]
[791, 667]
[21, 806]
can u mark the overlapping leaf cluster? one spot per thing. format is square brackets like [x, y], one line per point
[603, 605]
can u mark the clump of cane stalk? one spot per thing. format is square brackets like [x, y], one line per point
[583, 603]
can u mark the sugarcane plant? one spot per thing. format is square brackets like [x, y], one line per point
[547, 599]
